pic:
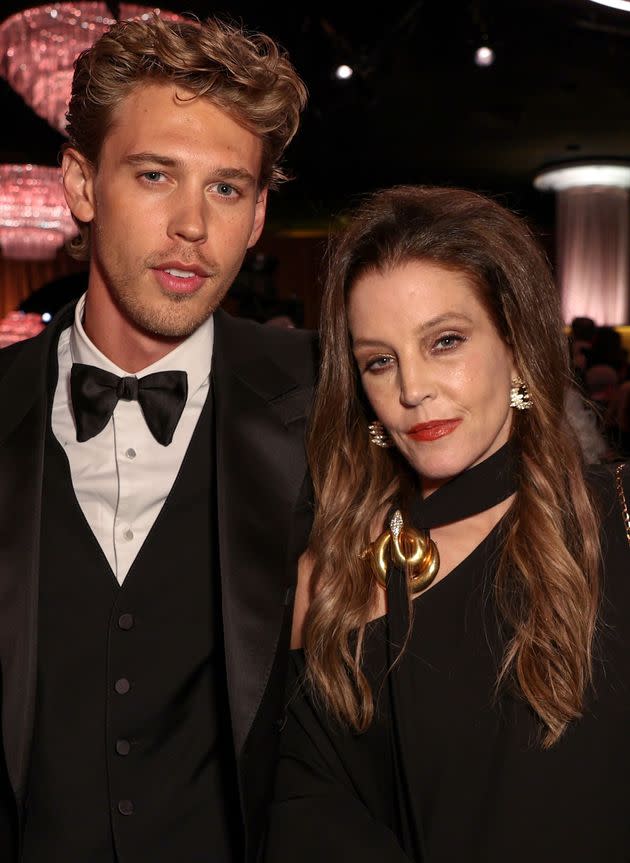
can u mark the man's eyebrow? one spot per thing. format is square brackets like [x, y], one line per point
[168, 162]
[155, 158]
[234, 174]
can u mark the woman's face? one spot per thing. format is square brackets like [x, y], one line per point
[433, 366]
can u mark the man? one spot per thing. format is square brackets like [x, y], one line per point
[152, 476]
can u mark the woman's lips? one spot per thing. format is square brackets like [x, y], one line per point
[432, 430]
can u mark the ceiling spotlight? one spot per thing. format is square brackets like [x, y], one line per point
[624, 5]
[572, 176]
[484, 56]
[344, 72]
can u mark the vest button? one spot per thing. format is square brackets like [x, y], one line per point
[126, 621]
[123, 747]
[125, 807]
[122, 686]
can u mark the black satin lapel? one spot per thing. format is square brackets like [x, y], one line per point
[278, 389]
[262, 528]
[21, 472]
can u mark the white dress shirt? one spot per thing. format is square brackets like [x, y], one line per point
[122, 476]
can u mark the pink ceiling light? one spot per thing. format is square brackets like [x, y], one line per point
[38, 47]
[34, 217]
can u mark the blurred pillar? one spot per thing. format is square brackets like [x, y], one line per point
[593, 239]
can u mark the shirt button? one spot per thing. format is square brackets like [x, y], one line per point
[125, 807]
[128, 534]
[126, 621]
[123, 747]
[122, 686]
[131, 453]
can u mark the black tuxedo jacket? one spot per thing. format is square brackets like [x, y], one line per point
[262, 380]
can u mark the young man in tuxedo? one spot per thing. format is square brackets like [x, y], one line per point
[152, 476]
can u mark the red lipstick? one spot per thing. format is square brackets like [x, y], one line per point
[433, 430]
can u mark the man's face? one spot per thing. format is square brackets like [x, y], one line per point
[174, 205]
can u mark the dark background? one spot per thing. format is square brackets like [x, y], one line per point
[418, 109]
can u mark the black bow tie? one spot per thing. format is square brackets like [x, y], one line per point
[95, 394]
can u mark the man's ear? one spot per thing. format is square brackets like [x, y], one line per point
[259, 217]
[78, 184]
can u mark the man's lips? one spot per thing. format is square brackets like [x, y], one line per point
[179, 278]
[433, 430]
[182, 266]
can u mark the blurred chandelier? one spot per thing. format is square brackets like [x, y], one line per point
[34, 218]
[39, 46]
[624, 5]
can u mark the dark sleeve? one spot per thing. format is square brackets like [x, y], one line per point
[328, 806]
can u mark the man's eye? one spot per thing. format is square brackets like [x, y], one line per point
[225, 190]
[153, 176]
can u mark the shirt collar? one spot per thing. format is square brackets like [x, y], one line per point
[193, 356]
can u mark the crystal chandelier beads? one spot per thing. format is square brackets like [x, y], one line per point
[39, 46]
[34, 217]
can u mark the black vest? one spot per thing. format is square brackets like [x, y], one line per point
[132, 756]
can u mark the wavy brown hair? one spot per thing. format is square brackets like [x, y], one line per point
[245, 74]
[547, 583]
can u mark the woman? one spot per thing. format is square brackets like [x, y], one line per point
[462, 694]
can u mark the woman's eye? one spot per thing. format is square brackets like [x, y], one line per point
[448, 341]
[378, 364]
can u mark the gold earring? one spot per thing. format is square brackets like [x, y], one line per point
[422, 564]
[378, 435]
[520, 397]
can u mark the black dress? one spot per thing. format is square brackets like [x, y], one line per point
[447, 771]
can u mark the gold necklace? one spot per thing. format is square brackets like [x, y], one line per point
[421, 565]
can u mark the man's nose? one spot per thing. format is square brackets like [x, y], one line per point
[189, 219]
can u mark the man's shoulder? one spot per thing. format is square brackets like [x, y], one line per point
[296, 350]
[10, 354]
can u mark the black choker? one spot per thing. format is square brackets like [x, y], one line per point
[406, 544]
[474, 490]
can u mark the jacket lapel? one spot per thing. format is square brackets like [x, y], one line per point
[262, 519]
